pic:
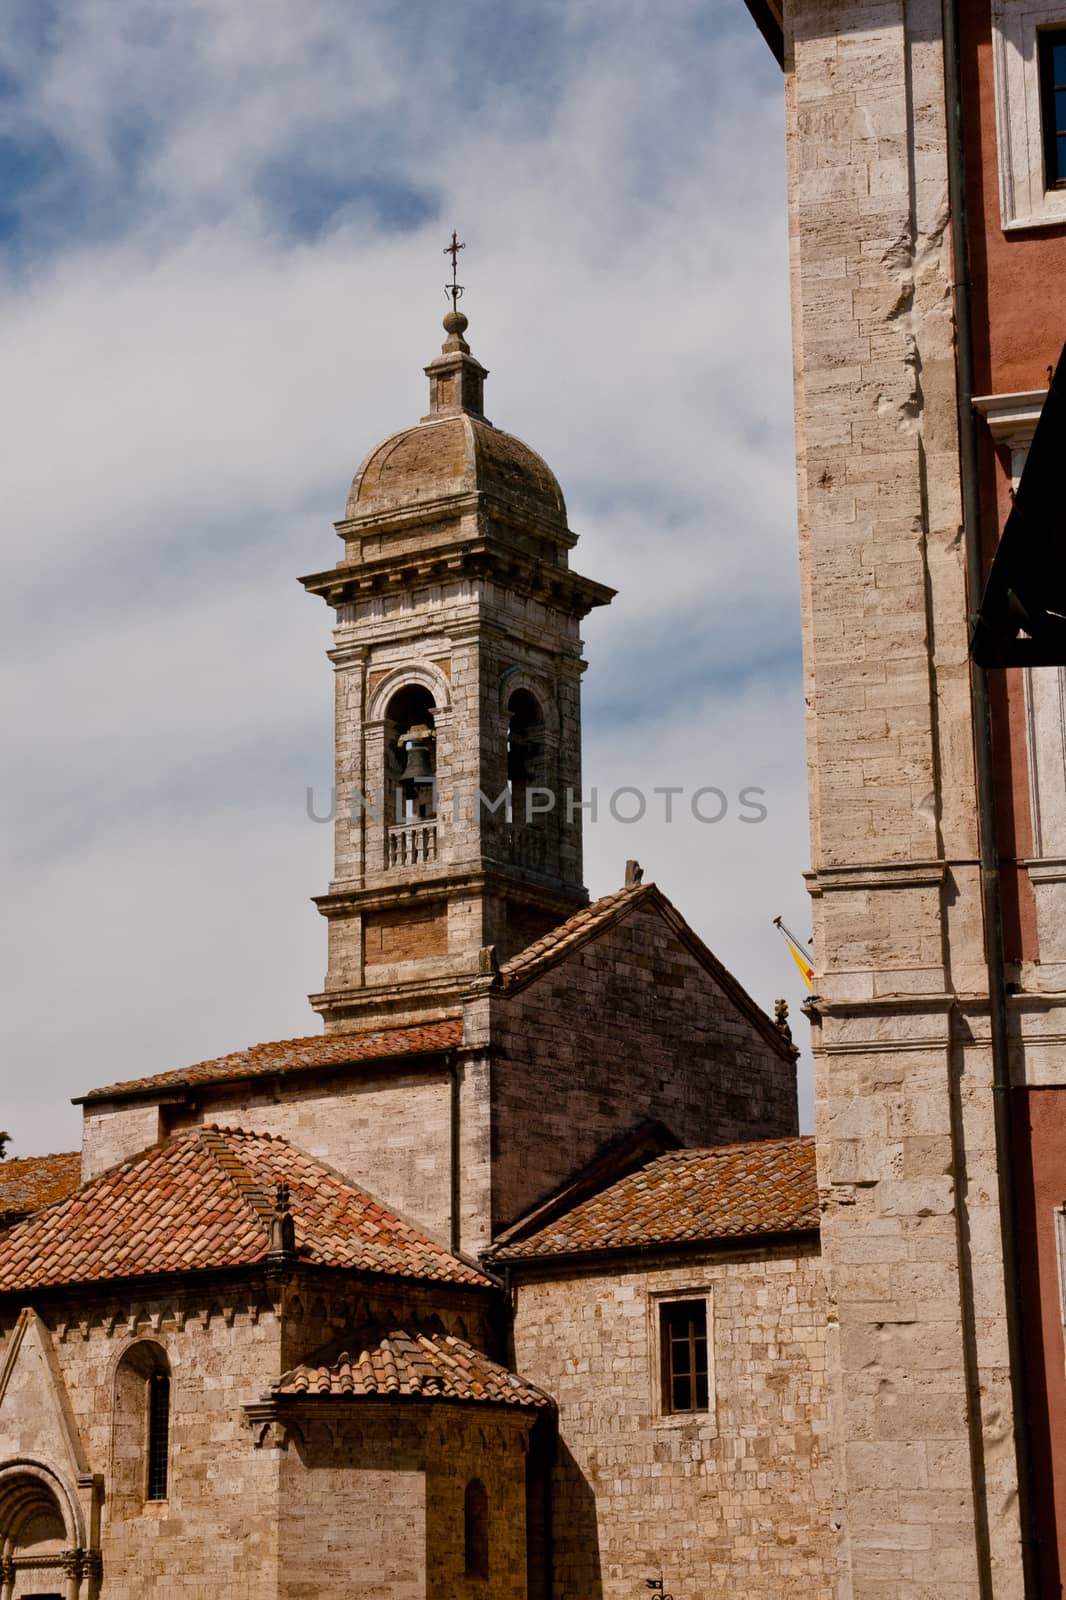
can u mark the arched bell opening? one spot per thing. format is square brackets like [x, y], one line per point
[525, 749]
[411, 756]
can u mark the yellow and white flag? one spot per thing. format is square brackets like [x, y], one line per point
[799, 952]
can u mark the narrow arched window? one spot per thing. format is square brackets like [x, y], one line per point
[140, 1429]
[476, 1529]
[158, 1434]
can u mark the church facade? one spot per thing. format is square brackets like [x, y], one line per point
[507, 1282]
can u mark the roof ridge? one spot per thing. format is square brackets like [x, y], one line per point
[233, 1169]
[703, 1150]
[50, 1155]
[270, 1057]
[587, 919]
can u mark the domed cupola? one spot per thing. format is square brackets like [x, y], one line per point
[454, 453]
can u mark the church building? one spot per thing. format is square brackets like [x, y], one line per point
[504, 1283]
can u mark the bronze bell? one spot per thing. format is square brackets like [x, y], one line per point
[417, 744]
[524, 750]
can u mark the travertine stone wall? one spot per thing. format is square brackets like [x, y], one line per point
[903, 1077]
[628, 1027]
[111, 1133]
[490, 1444]
[351, 1495]
[216, 1532]
[352, 1510]
[735, 1501]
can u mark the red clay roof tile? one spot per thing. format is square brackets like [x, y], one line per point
[722, 1192]
[29, 1182]
[292, 1055]
[417, 1364]
[205, 1201]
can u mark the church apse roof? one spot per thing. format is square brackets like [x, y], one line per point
[29, 1182]
[293, 1055]
[209, 1199]
[731, 1191]
[417, 1364]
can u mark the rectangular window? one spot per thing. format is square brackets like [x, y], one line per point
[1053, 104]
[683, 1340]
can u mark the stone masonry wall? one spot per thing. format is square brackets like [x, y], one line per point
[735, 1501]
[628, 1027]
[907, 1164]
[215, 1533]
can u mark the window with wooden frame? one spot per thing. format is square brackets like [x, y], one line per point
[684, 1355]
[1052, 44]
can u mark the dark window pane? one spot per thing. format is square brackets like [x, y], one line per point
[476, 1529]
[682, 1393]
[683, 1340]
[1053, 105]
[158, 1434]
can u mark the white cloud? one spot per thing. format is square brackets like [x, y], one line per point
[189, 386]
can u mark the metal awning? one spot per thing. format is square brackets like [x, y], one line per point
[1022, 620]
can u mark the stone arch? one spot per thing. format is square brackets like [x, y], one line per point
[40, 1519]
[411, 673]
[542, 690]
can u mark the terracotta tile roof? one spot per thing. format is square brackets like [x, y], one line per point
[292, 1055]
[30, 1182]
[205, 1201]
[570, 934]
[419, 1365]
[725, 1192]
[594, 919]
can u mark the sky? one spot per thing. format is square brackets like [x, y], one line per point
[221, 273]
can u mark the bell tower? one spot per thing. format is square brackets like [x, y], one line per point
[458, 665]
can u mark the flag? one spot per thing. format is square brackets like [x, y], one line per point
[798, 951]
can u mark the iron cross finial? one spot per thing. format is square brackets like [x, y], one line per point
[454, 288]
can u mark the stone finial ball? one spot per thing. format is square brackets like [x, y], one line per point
[455, 322]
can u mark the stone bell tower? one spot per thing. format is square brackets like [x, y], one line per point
[458, 729]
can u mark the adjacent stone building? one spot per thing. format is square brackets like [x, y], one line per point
[927, 201]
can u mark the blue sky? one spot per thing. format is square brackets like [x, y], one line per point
[221, 272]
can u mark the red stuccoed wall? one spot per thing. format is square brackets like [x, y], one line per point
[1019, 325]
[1019, 322]
[1041, 1189]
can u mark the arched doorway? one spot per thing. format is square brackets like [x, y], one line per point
[40, 1554]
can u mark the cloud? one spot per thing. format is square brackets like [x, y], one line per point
[220, 276]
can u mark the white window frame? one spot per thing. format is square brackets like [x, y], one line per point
[1024, 199]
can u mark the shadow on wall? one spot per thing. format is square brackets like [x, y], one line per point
[576, 1539]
